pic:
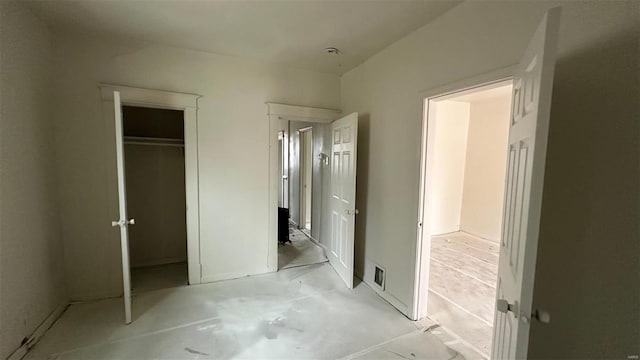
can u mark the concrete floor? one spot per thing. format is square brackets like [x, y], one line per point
[303, 312]
[301, 251]
[462, 286]
[157, 277]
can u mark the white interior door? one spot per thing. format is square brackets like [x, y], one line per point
[529, 125]
[123, 222]
[344, 140]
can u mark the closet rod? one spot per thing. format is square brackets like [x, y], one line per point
[137, 140]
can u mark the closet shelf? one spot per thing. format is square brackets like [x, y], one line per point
[154, 141]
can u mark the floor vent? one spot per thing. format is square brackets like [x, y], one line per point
[378, 276]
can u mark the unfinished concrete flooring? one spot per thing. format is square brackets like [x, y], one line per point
[300, 251]
[299, 313]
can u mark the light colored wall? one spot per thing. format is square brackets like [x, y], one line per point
[232, 149]
[485, 167]
[156, 199]
[319, 173]
[32, 281]
[448, 167]
[587, 273]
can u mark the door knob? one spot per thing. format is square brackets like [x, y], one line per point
[123, 222]
[542, 316]
[503, 306]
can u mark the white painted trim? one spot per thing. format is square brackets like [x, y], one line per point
[423, 244]
[302, 163]
[496, 76]
[150, 97]
[158, 262]
[20, 352]
[302, 113]
[230, 276]
[275, 113]
[188, 103]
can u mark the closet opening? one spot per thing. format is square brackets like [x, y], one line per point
[466, 146]
[155, 180]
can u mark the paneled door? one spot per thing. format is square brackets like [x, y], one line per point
[344, 140]
[124, 221]
[529, 127]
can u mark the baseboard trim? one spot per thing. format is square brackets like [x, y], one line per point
[39, 332]
[399, 305]
[158, 262]
[231, 276]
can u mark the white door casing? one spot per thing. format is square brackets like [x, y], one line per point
[188, 104]
[124, 222]
[344, 136]
[529, 126]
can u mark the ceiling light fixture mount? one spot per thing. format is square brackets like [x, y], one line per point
[332, 50]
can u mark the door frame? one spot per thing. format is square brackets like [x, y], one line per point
[302, 154]
[277, 112]
[188, 104]
[418, 308]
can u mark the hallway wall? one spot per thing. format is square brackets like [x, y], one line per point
[320, 173]
[32, 278]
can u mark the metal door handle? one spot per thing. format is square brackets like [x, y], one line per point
[542, 316]
[503, 306]
[123, 222]
[351, 212]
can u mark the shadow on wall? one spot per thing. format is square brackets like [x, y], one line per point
[362, 188]
[589, 223]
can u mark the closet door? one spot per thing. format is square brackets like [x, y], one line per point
[123, 222]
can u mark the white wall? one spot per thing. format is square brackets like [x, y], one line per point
[587, 275]
[32, 282]
[485, 167]
[448, 165]
[232, 147]
[319, 173]
[156, 200]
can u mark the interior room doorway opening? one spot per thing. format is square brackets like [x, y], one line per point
[467, 142]
[299, 243]
[333, 141]
[156, 196]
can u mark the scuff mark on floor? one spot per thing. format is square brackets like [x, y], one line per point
[397, 353]
[432, 327]
[196, 352]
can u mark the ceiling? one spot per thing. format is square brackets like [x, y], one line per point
[294, 33]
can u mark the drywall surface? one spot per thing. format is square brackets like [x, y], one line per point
[232, 149]
[156, 200]
[448, 167]
[32, 282]
[320, 177]
[485, 167]
[591, 181]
